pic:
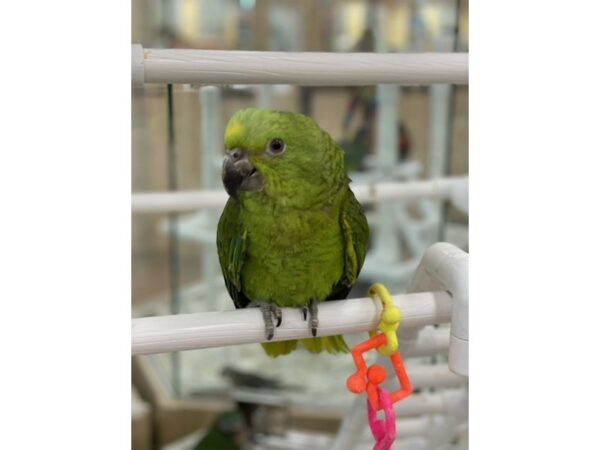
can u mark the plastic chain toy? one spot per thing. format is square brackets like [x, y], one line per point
[369, 378]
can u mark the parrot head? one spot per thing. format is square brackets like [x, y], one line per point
[280, 155]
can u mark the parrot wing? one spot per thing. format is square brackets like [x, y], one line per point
[355, 234]
[355, 237]
[231, 247]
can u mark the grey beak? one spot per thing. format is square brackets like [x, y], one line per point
[238, 174]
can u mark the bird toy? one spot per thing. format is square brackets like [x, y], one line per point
[368, 379]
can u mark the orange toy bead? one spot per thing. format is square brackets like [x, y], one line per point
[356, 383]
[376, 374]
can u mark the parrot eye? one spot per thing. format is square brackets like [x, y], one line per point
[276, 147]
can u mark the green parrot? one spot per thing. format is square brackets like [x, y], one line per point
[292, 234]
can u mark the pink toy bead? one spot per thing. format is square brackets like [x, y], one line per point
[383, 430]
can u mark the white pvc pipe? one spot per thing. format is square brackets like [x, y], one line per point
[437, 428]
[386, 244]
[414, 426]
[454, 188]
[180, 201]
[411, 443]
[429, 341]
[211, 135]
[439, 107]
[434, 376]
[447, 401]
[445, 266]
[216, 329]
[301, 68]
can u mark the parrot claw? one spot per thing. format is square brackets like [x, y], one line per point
[269, 331]
[304, 311]
[278, 315]
[269, 310]
[314, 317]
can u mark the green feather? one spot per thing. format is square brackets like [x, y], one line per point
[304, 236]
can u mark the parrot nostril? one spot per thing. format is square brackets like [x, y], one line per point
[236, 154]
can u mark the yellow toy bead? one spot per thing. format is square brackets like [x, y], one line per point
[390, 319]
[391, 316]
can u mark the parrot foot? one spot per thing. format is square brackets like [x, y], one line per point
[269, 311]
[313, 309]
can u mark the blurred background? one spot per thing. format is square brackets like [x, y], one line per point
[400, 133]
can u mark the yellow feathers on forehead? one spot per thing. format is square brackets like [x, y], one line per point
[235, 131]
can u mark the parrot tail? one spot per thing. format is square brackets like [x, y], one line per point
[330, 344]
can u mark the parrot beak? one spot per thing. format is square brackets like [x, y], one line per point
[239, 175]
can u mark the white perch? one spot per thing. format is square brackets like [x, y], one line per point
[296, 68]
[243, 326]
[454, 188]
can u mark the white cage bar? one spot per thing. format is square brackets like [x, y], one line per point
[454, 188]
[297, 68]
